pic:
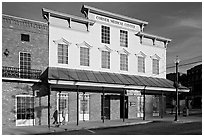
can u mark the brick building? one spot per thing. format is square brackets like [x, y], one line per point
[99, 67]
[194, 76]
[24, 57]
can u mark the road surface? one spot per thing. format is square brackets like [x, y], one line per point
[154, 128]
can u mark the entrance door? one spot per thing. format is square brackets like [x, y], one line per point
[122, 106]
[106, 107]
[84, 107]
[25, 110]
[140, 102]
[62, 107]
[156, 105]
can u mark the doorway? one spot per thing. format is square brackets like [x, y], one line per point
[106, 107]
[62, 107]
[122, 106]
[84, 107]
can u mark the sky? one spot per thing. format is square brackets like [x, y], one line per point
[179, 21]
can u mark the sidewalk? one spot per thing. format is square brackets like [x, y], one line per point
[94, 125]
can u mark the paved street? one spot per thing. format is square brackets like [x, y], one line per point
[154, 128]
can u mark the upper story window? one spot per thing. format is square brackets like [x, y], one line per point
[141, 64]
[155, 67]
[105, 59]
[84, 56]
[62, 53]
[105, 34]
[124, 62]
[25, 64]
[123, 38]
[25, 37]
[25, 60]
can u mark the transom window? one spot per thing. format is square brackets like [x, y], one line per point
[105, 34]
[62, 53]
[123, 38]
[84, 56]
[141, 64]
[25, 107]
[124, 62]
[105, 59]
[155, 66]
[25, 64]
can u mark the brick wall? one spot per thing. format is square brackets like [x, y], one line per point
[9, 92]
[12, 28]
[95, 107]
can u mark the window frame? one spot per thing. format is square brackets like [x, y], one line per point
[155, 67]
[105, 59]
[123, 38]
[64, 54]
[141, 68]
[105, 34]
[123, 62]
[25, 64]
[30, 107]
[85, 58]
[25, 37]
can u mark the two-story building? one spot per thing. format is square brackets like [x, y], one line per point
[102, 66]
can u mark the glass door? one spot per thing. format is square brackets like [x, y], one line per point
[62, 107]
[84, 107]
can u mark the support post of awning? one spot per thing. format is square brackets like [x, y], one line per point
[59, 107]
[144, 103]
[162, 104]
[103, 104]
[123, 105]
[77, 105]
[49, 91]
[83, 104]
[33, 107]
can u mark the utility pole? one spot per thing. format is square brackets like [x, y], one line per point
[176, 86]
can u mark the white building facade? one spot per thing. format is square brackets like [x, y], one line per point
[103, 66]
[108, 38]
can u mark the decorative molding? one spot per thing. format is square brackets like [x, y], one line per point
[24, 22]
[155, 56]
[141, 54]
[105, 48]
[84, 44]
[123, 51]
[62, 41]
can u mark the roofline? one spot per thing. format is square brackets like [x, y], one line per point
[65, 16]
[110, 14]
[153, 36]
[25, 19]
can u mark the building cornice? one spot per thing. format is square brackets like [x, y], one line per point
[153, 37]
[24, 22]
[86, 9]
[68, 17]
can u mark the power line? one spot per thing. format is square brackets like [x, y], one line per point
[184, 64]
[194, 59]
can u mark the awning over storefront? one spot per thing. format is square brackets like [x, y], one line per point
[72, 77]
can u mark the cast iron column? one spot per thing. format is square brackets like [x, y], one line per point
[123, 105]
[49, 106]
[77, 105]
[162, 105]
[103, 104]
[144, 104]
[176, 85]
